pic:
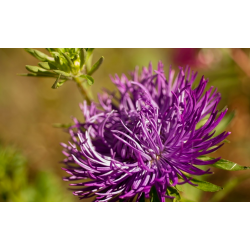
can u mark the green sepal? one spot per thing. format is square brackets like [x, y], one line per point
[90, 80]
[153, 195]
[224, 164]
[172, 191]
[96, 66]
[206, 186]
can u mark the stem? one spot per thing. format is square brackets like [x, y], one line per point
[84, 89]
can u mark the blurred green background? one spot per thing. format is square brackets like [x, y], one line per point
[30, 149]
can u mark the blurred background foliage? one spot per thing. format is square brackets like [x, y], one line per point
[30, 149]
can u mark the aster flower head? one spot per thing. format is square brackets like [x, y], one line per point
[152, 135]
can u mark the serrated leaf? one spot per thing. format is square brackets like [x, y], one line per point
[90, 80]
[172, 191]
[205, 185]
[153, 195]
[96, 66]
[224, 164]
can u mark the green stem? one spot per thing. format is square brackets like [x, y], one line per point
[84, 89]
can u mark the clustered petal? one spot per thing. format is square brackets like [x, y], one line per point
[152, 133]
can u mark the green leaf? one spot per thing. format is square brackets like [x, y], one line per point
[46, 65]
[172, 191]
[35, 69]
[88, 59]
[224, 164]
[62, 73]
[61, 62]
[206, 186]
[38, 75]
[40, 55]
[83, 55]
[89, 53]
[70, 63]
[153, 195]
[96, 66]
[58, 83]
[50, 49]
[90, 80]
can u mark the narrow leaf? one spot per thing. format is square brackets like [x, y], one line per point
[58, 83]
[46, 65]
[96, 66]
[206, 186]
[40, 55]
[34, 69]
[89, 53]
[224, 164]
[70, 63]
[172, 191]
[62, 72]
[83, 55]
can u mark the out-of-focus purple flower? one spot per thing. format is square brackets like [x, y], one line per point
[146, 136]
[186, 56]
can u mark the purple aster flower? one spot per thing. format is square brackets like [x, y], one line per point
[147, 136]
